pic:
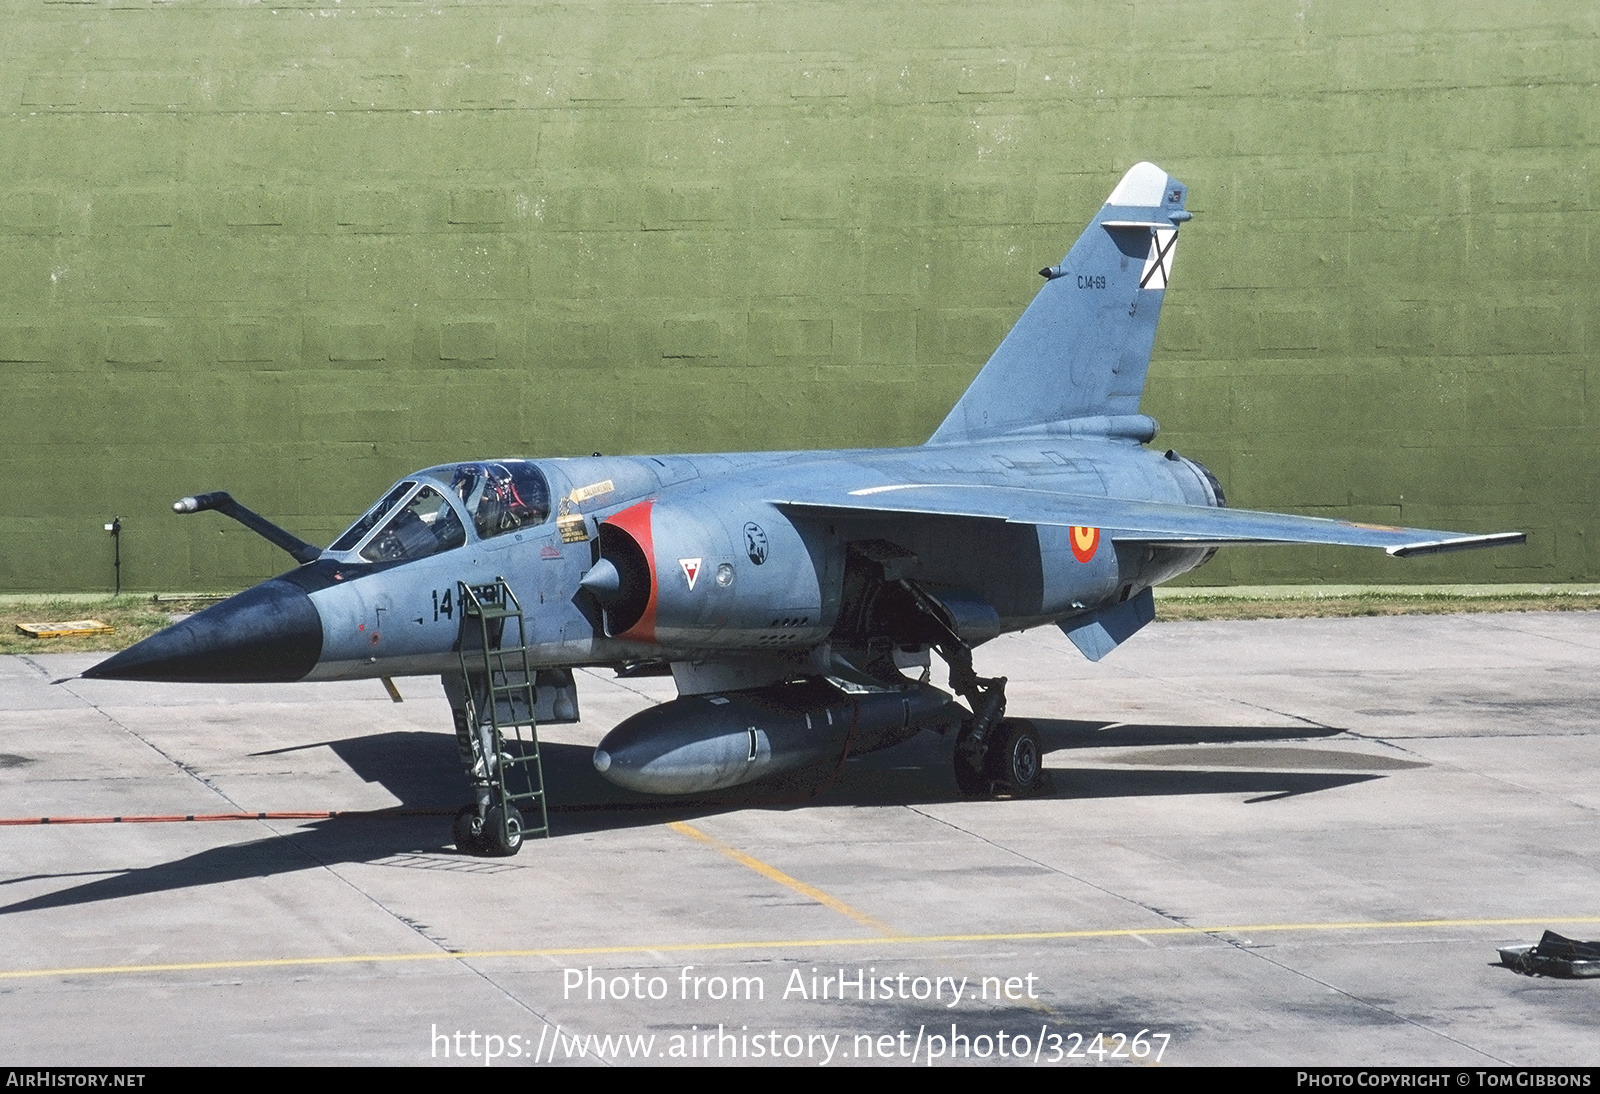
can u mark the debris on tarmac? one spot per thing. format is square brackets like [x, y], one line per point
[1554, 956]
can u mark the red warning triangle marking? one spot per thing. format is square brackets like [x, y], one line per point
[691, 570]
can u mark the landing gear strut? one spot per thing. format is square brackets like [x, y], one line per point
[994, 754]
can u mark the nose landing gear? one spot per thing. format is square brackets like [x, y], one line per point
[498, 834]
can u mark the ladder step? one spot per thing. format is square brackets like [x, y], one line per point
[491, 612]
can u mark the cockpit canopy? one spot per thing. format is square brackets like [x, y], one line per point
[428, 512]
[502, 496]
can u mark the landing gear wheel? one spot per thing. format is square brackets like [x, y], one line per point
[970, 779]
[468, 832]
[1016, 758]
[502, 844]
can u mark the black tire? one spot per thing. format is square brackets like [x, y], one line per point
[970, 778]
[467, 832]
[502, 844]
[1016, 757]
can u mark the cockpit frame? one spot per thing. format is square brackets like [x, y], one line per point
[485, 499]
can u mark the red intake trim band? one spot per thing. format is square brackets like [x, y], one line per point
[635, 520]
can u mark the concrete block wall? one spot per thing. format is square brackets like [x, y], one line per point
[294, 251]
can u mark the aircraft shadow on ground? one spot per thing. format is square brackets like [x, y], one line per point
[423, 771]
[1060, 733]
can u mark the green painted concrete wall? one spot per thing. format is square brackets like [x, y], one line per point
[294, 251]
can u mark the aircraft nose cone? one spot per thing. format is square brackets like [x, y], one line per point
[266, 634]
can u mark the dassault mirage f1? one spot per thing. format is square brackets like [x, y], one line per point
[794, 597]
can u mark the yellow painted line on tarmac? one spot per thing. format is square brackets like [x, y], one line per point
[788, 943]
[774, 874]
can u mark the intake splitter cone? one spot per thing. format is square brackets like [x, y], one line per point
[271, 633]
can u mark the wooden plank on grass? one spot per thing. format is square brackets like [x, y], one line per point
[75, 629]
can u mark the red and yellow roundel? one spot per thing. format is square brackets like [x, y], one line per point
[1084, 542]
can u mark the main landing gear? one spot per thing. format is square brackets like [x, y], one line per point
[994, 755]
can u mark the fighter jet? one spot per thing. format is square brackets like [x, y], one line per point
[794, 597]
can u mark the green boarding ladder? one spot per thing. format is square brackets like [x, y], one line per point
[505, 735]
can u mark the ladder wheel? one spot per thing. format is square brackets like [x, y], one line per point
[468, 832]
[492, 835]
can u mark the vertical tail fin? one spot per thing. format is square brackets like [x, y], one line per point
[1081, 349]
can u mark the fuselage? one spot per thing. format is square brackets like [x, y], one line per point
[733, 573]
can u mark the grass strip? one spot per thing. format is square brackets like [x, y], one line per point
[131, 617]
[1366, 603]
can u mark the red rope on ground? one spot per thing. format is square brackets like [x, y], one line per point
[179, 818]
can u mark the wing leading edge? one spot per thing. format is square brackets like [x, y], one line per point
[1153, 523]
